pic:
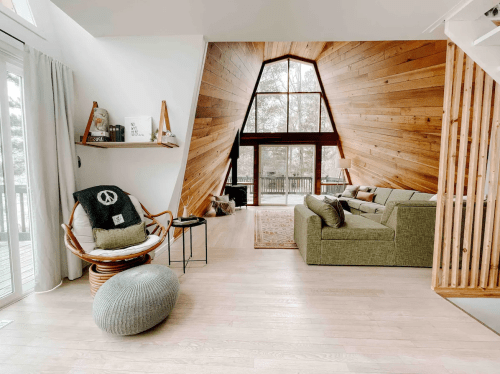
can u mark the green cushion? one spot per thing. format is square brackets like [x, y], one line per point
[381, 195]
[327, 213]
[355, 203]
[372, 216]
[358, 228]
[400, 195]
[420, 196]
[371, 208]
[120, 238]
[335, 203]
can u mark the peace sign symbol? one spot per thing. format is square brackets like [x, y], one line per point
[107, 197]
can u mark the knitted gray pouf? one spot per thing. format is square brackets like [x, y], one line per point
[136, 299]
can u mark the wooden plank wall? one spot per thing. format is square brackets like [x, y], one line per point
[309, 50]
[468, 265]
[387, 100]
[229, 77]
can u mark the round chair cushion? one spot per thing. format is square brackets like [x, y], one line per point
[136, 299]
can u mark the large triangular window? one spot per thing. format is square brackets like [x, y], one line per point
[288, 98]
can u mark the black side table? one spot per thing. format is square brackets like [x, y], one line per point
[201, 221]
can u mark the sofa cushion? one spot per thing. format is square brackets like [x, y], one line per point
[400, 195]
[420, 196]
[372, 208]
[350, 191]
[381, 195]
[358, 228]
[372, 216]
[355, 203]
[328, 214]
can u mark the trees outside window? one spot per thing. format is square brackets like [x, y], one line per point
[288, 99]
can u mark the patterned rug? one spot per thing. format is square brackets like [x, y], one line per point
[274, 229]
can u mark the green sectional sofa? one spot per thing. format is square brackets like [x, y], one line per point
[397, 229]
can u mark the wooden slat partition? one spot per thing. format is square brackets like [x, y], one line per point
[466, 253]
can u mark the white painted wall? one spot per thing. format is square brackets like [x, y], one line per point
[130, 76]
[40, 36]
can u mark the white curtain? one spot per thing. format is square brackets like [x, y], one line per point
[49, 99]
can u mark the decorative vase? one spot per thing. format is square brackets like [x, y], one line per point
[185, 212]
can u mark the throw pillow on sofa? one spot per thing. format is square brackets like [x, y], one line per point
[365, 196]
[335, 203]
[350, 191]
[327, 213]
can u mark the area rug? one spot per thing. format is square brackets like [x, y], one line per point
[274, 229]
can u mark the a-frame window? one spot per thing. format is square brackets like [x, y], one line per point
[288, 98]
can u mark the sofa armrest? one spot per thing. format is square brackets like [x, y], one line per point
[413, 223]
[307, 233]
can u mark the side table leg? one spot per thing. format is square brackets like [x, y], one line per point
[183, 253]
[191, 241]
[168, 244]
[206, 244]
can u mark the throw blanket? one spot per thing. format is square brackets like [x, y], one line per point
[108, 207]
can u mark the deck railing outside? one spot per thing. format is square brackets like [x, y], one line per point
[296, 185]
[22, 213]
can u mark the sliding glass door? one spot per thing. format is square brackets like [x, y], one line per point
[16, 255]
[286, 173]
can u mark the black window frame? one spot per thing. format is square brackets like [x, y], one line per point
[321, 93]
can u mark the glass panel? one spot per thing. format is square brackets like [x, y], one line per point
[16, 112]
[271, 113]
[331, 179]
[273, 161]
[6, 279]
[274, 77]
[326, 124]
[300, 172]
[303, 77]
[245, 170]
[250, 124]
[21, 7]
[304, 113]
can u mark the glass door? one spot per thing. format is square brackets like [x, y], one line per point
[300, 172]
[273, 175]
[16, 255]
[286, 174]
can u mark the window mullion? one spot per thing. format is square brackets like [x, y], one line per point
[288, 98]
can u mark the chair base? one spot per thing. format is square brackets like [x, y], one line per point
[100, 273]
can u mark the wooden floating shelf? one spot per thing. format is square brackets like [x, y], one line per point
[128, 145]
[162, 143]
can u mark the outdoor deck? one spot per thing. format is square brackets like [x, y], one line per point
[27, 268]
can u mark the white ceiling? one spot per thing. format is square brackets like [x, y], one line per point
[261, 20]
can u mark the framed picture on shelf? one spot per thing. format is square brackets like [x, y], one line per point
[138, 129]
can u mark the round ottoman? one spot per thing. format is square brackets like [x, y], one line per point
[135, 300]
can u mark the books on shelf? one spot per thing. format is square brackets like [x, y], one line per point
[117, 133]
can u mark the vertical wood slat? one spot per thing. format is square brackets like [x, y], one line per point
[481, 179]
[495, 256]
[480, 251]
[452, 157]
[462, 161]
[443, 158]
[471, 184]
[492, 192]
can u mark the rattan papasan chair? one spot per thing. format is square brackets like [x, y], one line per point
[79, 240]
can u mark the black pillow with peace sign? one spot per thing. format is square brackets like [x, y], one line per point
[108, 207]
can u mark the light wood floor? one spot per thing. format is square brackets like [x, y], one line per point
[258, 311]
